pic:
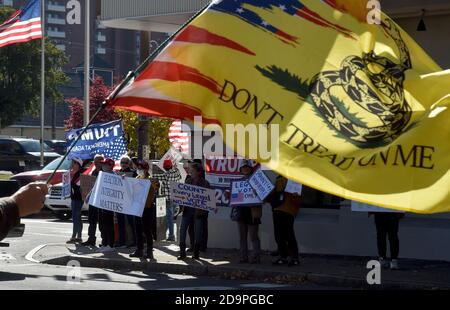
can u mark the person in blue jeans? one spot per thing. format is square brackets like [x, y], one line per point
[77, 201]
[170, 174]
[170, 221]
[193, 216]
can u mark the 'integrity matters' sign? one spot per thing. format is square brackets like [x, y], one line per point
[120, 194]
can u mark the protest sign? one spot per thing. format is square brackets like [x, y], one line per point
[66, 184]
[120, 194]
[173, 155]
[193, 196]
[364, 207]
[220, 172]
[261, 184]
[293, 187]
[243, 194]
[161, 207]
[102, 138]
[87, 182]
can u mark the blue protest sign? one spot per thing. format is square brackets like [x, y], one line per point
[102, 138]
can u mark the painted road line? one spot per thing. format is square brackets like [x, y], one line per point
[44, 235]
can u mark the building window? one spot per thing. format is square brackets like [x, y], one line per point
[314, 199]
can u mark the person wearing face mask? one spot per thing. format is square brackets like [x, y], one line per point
[147, 224]
[76, 200]
[93, 211]
[122, 219]
[106, 217]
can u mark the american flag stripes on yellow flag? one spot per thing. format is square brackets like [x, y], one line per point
[362, 110]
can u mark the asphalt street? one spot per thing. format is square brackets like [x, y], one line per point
[18, 272]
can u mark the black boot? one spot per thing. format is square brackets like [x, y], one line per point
[149, 254]
[182, 252]
[138, 253]
[196, 252]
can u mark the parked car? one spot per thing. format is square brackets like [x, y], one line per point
[42, 175]
[59, 205]
[21, 154]
[58, 146]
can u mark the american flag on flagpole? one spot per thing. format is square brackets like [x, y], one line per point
[23, 25]
[178, 138]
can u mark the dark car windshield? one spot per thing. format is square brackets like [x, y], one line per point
[52, 166]
[33, 146]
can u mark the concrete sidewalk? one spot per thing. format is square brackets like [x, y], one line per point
[341, 271]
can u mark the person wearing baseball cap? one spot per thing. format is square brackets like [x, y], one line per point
[108, 165]
[76, 200]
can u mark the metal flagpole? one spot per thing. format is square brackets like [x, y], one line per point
[87, 62]
[131, 75]
[42, 79]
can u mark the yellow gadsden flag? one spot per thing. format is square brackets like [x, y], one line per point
[359, 109]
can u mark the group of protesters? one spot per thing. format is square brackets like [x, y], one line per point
[143, 229]
[194, 221]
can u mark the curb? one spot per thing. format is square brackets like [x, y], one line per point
[241, 273]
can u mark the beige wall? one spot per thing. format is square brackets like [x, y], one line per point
[32, 132]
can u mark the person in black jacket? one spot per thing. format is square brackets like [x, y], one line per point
[93, 212]
[76, 201]
[122, 219]
[26, 201]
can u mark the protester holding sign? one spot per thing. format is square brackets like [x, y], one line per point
[285, 208]
[248, 219]
[170, 174]
[186, 167]
[76, 200]
[147, 224]
[106, 217]
[196, 216]
[93, 212]
[125, 170]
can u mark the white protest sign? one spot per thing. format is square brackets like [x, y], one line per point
[293, 187]
[161, 207]
[193, 196]
[243, 194]
[66, 184]
[120, 194]
[261, 184]
[364, 207]
[173, 155]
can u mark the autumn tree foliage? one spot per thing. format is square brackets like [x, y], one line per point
[158, 127]
[98, 93]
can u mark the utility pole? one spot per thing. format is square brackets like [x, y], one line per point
[42, 81]
[87, 66]
[143, 122]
